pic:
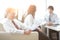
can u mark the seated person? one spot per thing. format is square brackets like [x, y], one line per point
[51, 18]
[32, 24]
[11, 24]
[30, 20]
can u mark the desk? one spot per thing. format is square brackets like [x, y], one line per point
[56, 28]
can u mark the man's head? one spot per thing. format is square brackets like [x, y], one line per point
[10, 13]
[50, 9]
[32, 9]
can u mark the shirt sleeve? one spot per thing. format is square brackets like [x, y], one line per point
[56, 19]
[7, 27]
[30, 22]
[20, 24]
[10, 29]
[34, 25]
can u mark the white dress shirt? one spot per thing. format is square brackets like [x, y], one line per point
[30, 22]
[9, 26]
[54, 18]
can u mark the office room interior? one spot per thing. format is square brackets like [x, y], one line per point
[48, 30]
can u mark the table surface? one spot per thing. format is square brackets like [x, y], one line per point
[56, 28]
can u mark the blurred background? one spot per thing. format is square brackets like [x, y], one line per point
[22, 6]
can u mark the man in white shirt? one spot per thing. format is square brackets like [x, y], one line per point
[32, 24]
[11, 24]
[51, 18]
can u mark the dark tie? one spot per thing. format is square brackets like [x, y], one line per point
[16, 26]
[49, 18]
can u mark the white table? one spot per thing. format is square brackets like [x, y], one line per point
[56, 28]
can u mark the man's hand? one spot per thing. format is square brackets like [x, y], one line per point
[49, 23]
[27, 32]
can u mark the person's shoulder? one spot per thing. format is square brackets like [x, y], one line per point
[55, 14]
[16, 20]
[46, 15]
[4, 20]
[29, 16]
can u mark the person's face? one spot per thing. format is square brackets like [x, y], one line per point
[32, 9]
[11, 15]
[50, 11]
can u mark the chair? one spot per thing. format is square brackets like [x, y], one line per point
[16, 36]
